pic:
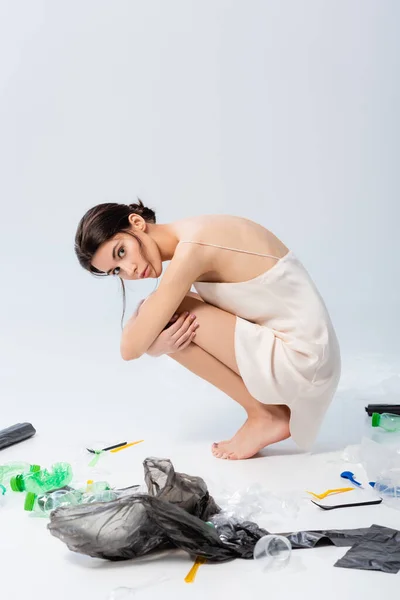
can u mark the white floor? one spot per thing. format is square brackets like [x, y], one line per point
[36, 565]
[179, 416]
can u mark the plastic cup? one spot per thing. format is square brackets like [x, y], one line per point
[272, 552]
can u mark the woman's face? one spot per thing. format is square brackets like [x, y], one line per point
[123, 256]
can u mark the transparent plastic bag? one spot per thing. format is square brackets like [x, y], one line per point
[255, 501]
[378, 457]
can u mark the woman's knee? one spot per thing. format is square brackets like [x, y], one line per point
[190, 303]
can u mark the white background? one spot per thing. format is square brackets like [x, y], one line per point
[283, 112]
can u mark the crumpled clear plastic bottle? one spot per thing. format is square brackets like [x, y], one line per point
[387, 486]
[46, 503]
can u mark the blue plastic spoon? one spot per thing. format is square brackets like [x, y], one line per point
[350, 476]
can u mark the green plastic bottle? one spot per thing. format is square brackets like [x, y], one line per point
[41, 481]
[47, 502]
[12, 469]
[386, 421]
[44, 504]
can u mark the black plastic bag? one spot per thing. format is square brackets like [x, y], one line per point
[378, 550]
[15, 434]
[173, 514]
[186, 491]
[335, 537]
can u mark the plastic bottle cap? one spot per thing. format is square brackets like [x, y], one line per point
[376, 419]
[29, 501]
[17, 483]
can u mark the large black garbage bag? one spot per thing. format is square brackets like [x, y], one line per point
[135, 525]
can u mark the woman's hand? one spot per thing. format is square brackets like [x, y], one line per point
[177, 336]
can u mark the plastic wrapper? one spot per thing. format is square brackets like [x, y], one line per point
[172, 515]
[15, 434]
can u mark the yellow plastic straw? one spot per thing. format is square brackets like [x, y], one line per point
[191, 576]
[126, 446]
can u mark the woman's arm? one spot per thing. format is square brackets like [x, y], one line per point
[188, 264]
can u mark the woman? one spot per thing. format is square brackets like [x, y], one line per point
[257, 328]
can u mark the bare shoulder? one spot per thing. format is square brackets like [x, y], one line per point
[227, 230]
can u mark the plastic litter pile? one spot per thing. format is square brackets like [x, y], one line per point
[176, 511]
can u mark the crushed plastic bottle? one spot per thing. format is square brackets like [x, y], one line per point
[46, 503]
[387, 486]
[42, 481]
[43, 505]
[272, 552]
[105, 496]
[12, 469]
[386, 421]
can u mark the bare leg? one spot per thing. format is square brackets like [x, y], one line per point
[208, 358]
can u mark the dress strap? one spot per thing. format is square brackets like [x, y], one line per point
[232, 249]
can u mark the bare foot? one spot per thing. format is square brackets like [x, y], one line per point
[269, 427]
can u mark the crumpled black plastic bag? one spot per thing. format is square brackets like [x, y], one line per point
[186, 491]
[378, 550]
[173, 514]
[335, 537]
[135, 525]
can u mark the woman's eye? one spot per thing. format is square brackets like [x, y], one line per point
[116, 271]
[121, 252]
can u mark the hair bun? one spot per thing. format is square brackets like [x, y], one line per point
[146, 213]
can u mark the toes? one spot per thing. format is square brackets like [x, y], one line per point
[219, 454]
[216, 452]
[233, 456]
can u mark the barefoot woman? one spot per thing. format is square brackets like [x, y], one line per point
[257, 328]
